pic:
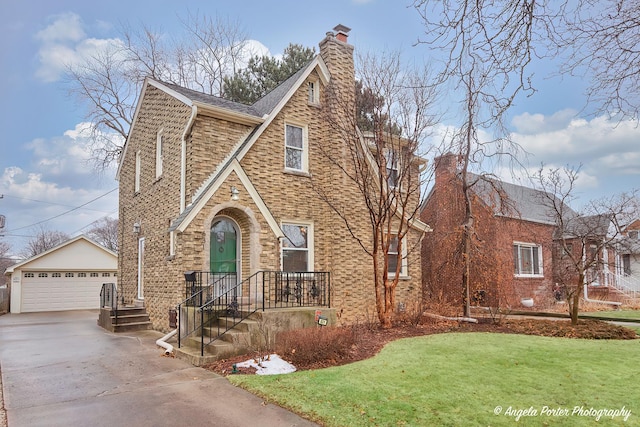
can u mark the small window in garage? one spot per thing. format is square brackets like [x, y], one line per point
[94, 274]
[115, 274]
[56, 275]
[68, 274]
[29, 275]
[106, 275]
[82, 274]
[43, 274]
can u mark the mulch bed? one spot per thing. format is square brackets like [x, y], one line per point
[372, 339]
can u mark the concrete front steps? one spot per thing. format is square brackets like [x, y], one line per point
[249, 335]
[124, 319]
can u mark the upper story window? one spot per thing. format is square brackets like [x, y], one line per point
[295, 148]
[393, 161]
[137, 172]
[527, 259]
[396, 254]
[633, 234]
[297, 253]
[159, 148]
[313, 92]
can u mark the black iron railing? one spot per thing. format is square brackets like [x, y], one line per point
[296, 289]
[201, 287]
[109, 298]
[216, 304]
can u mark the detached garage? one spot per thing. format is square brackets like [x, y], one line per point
[67, 277]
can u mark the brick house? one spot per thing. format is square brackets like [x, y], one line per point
[518, 251]
[211, 185]
[513, 259]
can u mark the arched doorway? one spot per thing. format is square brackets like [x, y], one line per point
[224, 259]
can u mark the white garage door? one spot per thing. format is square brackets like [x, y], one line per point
[61, 293]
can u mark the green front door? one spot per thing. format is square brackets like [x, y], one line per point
[223, 259]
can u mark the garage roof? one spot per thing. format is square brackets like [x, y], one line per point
[78, 253]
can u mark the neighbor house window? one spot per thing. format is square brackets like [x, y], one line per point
[159, 140]
[626, 264]
[297, 246]
[313, 92]
[137, 177]
[393, 257]
[527, 259]
[295, 148]
[633, 234]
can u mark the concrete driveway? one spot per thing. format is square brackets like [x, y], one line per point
[61, 369]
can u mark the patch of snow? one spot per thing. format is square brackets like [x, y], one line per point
[270, 365]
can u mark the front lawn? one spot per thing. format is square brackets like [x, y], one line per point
[463, 378]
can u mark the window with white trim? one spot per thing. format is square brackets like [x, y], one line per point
[136, 184]
[159, 158]
[392, 258]
[527, 259]
[295, 148]
[392, 159]
[313, 92]
[297, 247]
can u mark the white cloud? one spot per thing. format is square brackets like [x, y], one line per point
[64, 43]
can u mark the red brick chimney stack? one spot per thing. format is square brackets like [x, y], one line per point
[342, 32]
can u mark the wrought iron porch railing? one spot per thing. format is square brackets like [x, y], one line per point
[212, 310]
[201, 286]
[109, 297]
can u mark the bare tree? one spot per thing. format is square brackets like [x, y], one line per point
[107, 84]
[105, 232]
[487, 48]
[384, 164]
[585, 241]
[43, 240]
[5, 260]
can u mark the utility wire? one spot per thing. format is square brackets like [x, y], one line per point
[63, 213]
[42, 201]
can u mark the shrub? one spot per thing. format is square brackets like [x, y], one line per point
[313, 345]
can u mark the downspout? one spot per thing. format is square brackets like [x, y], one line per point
[168, 348]
[183, 159]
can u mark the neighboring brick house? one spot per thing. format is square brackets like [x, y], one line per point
[517, 251]
[199, 172]
[628, 261]
[513, 247]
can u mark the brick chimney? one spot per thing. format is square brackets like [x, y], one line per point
[446, 167]
[342, 32]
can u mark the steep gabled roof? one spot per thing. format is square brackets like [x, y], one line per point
[516, 201]
[270, 105]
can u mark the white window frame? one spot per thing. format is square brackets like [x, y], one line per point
[392, 159]
[404, 266]
[313, 92]
[518, 261]
[310, 243]
[136, 185]
[159, 150]
[304, 149]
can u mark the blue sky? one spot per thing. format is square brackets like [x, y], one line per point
[43, 169]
